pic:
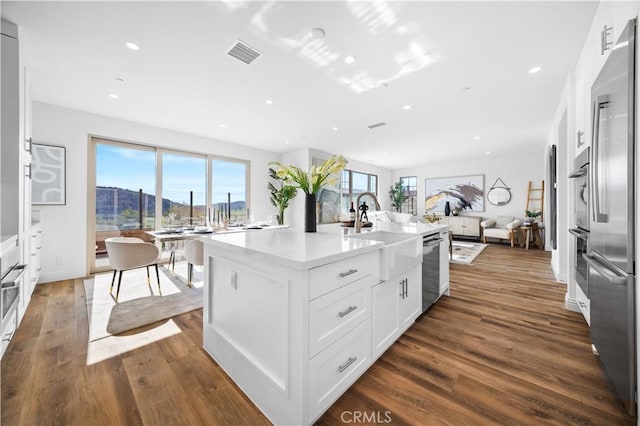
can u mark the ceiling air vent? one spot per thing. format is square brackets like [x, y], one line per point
[243, 52]
[375, 125]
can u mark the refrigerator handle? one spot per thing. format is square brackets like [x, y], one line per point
[606, 273]
[601, 103]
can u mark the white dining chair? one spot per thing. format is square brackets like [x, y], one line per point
[194, 253]
[127, 253]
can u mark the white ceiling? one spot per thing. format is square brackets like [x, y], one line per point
[426, 52]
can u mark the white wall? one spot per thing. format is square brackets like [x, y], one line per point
[515, 170]
[64, 241]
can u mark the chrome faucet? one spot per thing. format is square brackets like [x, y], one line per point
[358, 225]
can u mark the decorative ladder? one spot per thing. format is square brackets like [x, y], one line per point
[535, 199]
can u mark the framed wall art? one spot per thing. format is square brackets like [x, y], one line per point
[463, 192]
[48, 175]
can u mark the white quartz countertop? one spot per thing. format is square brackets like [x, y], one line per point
[292, 247]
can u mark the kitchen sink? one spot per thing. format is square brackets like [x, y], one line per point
[400, 251]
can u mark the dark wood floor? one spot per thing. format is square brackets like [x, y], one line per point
[501, 350]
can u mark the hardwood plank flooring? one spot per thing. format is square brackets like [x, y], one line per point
[501, 350]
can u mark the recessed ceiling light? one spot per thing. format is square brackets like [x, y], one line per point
[349, 59]
[534, 70]
[132, 45]
[113, 96]
[382, 85]
[223, 125]
[335, 129]
[406, 107]
[119, 79]
[269, 102]
[466, 89]
[286, 142]
[476, 138]
[488, 152]
[317, 33]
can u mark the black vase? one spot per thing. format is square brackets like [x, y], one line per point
[447, 209]
[310, 213]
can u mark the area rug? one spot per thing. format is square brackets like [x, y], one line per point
[139, 304]
[465, 252]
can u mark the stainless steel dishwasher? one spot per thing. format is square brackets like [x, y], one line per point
[430, 269]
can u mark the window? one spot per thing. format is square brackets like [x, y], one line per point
[129, 178]
[229, 190]
[355, 183]
[184, 189]
[410, 187]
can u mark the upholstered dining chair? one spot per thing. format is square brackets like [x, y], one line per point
[194, 253]
[127, 253]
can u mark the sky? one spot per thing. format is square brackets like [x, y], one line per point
[135, 169]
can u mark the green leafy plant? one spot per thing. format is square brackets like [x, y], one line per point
[397, 196]
[281, 194]
[328, 173]
[533, 213]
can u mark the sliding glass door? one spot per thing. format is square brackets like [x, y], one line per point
[184, 189]
[136, 188]
[229, 190]
[125, 194]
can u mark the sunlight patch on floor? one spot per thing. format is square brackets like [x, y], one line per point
[111, 346]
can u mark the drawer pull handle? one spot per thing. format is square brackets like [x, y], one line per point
[7, 337]
[346, 365]
[346, 274]
[582, 304]
[347, 311]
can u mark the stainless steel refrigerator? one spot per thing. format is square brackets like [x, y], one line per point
[611, 246]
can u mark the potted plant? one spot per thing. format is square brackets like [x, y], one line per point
[531, 216]
[397, 196]
[328, 173]
[280, 194]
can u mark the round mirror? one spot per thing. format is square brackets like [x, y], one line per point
[498, 196]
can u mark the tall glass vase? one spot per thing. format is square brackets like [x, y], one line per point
[310, 213]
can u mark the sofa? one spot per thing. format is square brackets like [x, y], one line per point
[502, 228]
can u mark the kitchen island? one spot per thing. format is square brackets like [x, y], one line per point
[289, 315]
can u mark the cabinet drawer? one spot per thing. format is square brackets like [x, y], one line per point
[337, 367]
[36, 241]
[335, 314]
[326, 278]
[584, 304]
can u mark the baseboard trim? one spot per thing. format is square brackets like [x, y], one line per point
[60, 276]
[571, 304]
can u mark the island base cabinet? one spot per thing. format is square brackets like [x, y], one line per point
[385, 316]
[336, 368]
[411, 297]
[254, 333]
[395, 305]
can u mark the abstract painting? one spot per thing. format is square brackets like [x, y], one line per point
[464, 192]
[48, 184]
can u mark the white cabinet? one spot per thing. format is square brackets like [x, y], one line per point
[444, 263]
[292, 339]
[385, 318]
[396, 303]
[335, 314]
[335, 369]
[463, 226]
[583, 304]
[411, 297]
